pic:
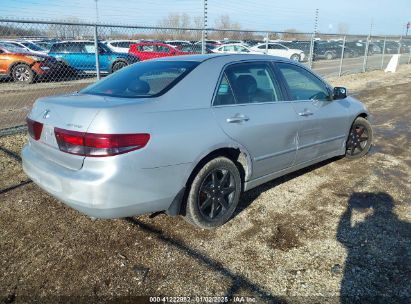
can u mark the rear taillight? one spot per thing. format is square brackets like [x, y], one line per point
[99, 145]
[34, 128]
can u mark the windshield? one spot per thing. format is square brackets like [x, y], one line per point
[12, 48]
[143, 79]
[33, 46]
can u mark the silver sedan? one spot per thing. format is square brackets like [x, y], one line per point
[188, 134]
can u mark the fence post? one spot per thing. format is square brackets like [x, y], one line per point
[96, 52]
[266, 42]
[311, 55]
[364, 64]
[409, 55]
[399, 45]
[383, 53]
[202, 42]
[342, 56]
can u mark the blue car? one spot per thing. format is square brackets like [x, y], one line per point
[80, 56]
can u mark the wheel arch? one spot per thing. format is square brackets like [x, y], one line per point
[117, 61]
[11, 67]
[238, 155]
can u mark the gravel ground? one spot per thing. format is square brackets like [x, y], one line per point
[336, 232]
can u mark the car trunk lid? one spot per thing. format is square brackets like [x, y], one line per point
[72, 112]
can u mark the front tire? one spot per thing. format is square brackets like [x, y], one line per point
[22, 73]
[295, 57]
[214, 194]
[359, 140]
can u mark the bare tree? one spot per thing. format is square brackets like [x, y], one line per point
[343, 28]
[72, 31]
[174, 20]
[224, 22]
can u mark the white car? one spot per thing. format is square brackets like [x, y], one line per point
[28, 46]
[120, 46]
[280, 50]
[234, 48]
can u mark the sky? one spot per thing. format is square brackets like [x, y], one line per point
[388, 17]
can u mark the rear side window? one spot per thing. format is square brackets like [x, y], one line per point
[248, 83]
[144, 79]
[67, 48]
[302, 84]
[124, 44]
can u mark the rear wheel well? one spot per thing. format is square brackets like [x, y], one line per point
[235, 155]
[363, 115]
[117, 61]
[10, 71]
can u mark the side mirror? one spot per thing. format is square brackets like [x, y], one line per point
[339, 93]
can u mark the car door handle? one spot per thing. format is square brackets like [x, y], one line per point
[306, 113]
[237, 119]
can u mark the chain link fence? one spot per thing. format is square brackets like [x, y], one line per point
[47, 58]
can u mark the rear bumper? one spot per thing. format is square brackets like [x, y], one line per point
[106, 188]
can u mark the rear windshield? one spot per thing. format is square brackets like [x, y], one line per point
[143, 79]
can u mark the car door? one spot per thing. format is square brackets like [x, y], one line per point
[323, 122]
[144, 51]
[278, 50]
[89, 57]
[72, 54]
[250, 108]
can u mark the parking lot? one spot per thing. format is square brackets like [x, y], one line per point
[335, 229]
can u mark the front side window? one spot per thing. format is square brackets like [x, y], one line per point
[32, 46]
[241, 49]
[276, 47]
[146, 48]
[72, 48]
[144, 79]
[248, 83]
[302, 84]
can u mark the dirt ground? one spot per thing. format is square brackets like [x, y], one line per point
[337, 231]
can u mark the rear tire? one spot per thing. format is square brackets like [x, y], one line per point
[214, 194]
[360, 139]
[118, 66]
[22, 73]
[329, 56]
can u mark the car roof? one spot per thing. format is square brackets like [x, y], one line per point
[75, 41]
[226, 58]
[230, 44]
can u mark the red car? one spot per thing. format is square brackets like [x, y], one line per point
[149, 50]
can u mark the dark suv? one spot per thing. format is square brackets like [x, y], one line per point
[80, 55]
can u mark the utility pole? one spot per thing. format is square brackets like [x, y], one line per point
[204, 32]
[310, 60]
[367, 46]
[407, 27]
[96, 49]
[97, 19]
